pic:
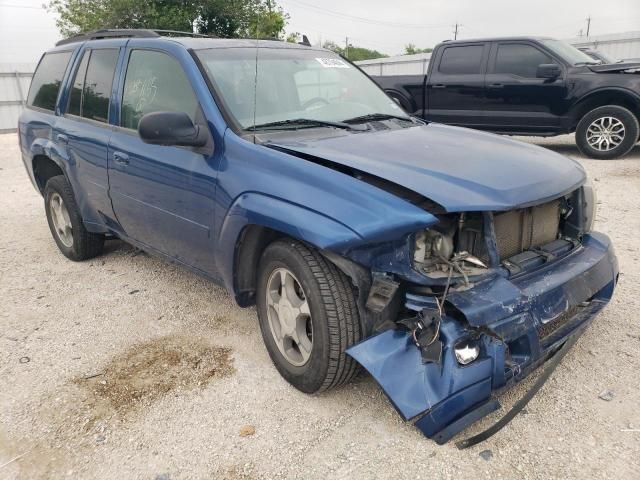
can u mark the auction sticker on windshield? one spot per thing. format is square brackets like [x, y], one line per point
[332, 63]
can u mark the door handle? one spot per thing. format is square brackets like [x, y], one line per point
[121, 158]
[438, 85]
[62, 138]
[496, 85]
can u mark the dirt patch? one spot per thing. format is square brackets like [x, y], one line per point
[149, 370]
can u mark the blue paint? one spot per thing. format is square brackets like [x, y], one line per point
[513, 310]
[193, 205]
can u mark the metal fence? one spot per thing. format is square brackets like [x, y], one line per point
[14, 86]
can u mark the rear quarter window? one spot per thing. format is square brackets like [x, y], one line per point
[463, 60]
[46, 82]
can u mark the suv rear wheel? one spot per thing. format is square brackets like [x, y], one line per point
[607, 132]
[308, 316]
[65, 222]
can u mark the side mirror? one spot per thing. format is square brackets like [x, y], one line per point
[171, 128]
[548, 70]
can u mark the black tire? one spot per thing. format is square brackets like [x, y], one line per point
[84, 244]
[631, 132]
[334, 316]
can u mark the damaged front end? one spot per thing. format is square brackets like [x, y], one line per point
[471, 305]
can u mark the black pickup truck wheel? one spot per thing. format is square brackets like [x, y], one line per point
[308, 316]
[607, 132]
[65, 222]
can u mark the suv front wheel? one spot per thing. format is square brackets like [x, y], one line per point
[65, 222]
[308, 316]
[607, 132]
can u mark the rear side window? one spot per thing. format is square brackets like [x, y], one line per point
[519, 59]
[75, 97]
[465, 60]
[155, 82]
[46, 82]
[91, 90]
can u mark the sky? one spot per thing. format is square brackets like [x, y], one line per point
[387, 26]
[26, 30]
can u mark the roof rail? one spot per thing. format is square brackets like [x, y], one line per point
[127, 33]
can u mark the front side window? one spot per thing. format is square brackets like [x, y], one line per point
[464, 60]
[291, 84]
[46, 82]
[155, 82]
[520, 59]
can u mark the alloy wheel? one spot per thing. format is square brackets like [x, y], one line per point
[61, 220]
[289, 316]
[605, 133]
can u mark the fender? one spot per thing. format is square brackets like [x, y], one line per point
[621, 91]
[254, 208]
[320, 230]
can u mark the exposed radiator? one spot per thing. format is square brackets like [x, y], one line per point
[520, 230]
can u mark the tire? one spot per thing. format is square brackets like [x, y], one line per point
[76, 243]
[591, 122]
[334, 322]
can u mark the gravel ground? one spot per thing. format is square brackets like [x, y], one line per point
[127, 367]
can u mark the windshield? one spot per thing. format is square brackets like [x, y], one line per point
[600, 56]
[292, 84]
[569, 53]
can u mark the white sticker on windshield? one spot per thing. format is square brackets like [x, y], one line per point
[332, 63]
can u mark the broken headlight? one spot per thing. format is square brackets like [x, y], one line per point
[590, 205]
[431, 244]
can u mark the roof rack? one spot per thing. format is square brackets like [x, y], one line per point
[128, 33]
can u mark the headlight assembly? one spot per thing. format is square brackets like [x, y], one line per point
[432, 244]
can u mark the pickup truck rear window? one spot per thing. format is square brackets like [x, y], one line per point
[47, 80]
[464, 60]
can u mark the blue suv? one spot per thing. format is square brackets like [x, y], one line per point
[448, 262]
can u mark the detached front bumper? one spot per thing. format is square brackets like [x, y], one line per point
[524, 321]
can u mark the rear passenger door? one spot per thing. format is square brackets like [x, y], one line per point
[85, 130]
[455, 85]
[163, 196]
[516, 99]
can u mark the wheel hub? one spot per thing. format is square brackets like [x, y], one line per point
[61, 220]
[605, 133]
[289, 317]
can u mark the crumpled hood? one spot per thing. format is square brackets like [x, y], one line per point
[461, 169]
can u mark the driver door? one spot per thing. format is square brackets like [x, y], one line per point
[162, 196]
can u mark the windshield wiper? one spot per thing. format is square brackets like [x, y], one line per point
[579, 64]
[303, 122]
[371, 117]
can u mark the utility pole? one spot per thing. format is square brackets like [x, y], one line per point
[455, 31]
[588, 25]
[346, 47]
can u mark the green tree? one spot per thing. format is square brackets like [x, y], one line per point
[293, 37]
[353, 53]
[223, 18]
[411, 49]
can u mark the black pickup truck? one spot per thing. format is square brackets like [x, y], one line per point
[527, 86]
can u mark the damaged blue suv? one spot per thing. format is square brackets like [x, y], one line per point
[447, 262]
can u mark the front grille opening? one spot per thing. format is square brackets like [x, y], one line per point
[516, 231]
[527, 228]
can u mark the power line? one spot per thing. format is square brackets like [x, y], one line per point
[33, 7]
[370, 21]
